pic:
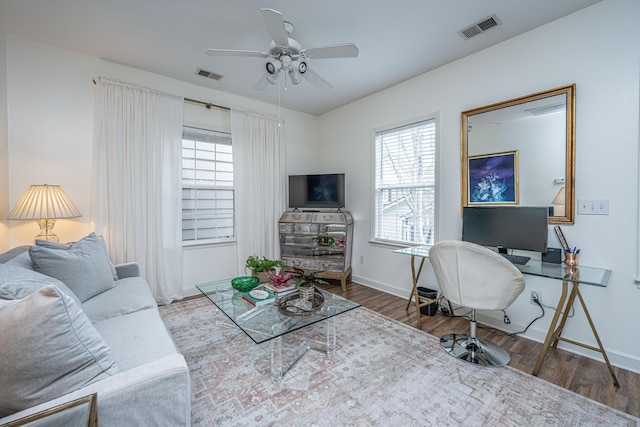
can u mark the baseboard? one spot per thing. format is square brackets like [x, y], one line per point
[190, 292]
[399, 292]
[624, 361]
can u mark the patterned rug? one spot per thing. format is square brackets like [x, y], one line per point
[385, 373]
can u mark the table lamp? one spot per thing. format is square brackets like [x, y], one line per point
[558, 203]
[44, 204]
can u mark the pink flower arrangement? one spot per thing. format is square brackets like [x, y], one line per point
[279, 279]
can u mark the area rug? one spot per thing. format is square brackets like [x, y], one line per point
[384, 373]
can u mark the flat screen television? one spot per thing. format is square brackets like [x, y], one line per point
[507, 227]
[316, 191]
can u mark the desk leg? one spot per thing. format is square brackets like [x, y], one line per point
[555, 329]
[595, 334]
[415, 275]
[552, 328]
[565, 315]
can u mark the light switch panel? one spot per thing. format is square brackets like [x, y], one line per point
[593, 206]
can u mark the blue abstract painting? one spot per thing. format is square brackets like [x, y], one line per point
[493, 178]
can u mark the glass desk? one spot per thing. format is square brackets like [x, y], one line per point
[267, 323]
[580, 275]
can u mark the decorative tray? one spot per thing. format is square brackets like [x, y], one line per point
[293, 305]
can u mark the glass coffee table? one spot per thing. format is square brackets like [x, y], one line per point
[270, 323]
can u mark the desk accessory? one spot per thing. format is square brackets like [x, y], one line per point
[571, 257]
[563, 240]
[553, 255]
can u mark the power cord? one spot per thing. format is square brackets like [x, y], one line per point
[444, 310]
[506, 319]
[537, 301]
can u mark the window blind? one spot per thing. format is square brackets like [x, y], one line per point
[405, 183]
[207, 185]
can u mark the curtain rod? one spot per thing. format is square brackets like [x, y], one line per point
[208, 105]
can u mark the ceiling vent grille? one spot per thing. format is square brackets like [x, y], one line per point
[480, 27]
[209, 74]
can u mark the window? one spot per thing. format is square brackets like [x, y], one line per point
[207, 185]
[405, 183]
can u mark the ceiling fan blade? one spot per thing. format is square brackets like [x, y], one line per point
[347, 50]
[232, 52]
[315, 79]
[275, 26]
[263, 83]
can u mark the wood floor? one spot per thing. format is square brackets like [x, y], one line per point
[579, 374]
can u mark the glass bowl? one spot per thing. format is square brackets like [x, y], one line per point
[245, 283]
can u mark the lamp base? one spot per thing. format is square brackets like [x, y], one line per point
[46, 225]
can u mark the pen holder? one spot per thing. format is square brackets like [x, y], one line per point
[571, 260]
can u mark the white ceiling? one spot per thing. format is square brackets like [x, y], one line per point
[397, 39]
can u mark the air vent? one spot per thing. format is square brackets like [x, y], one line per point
[547, 109]
[480, 27]
[209, 74]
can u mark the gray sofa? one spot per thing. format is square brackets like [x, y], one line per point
[139, 375]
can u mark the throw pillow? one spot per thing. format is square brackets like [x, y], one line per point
[18, 282]
[23, 260]
[56, 245]
[84, 266]
[11, 253]
[50, 349]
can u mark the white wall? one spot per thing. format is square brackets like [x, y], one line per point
[50, 125]
[596, 48]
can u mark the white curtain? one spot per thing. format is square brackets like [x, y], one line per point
[136, 202]
[258, 144]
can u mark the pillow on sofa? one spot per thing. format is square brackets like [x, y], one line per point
[56, 245]
[84, 266]
[18, 282]
[11, 253]
[51, 349]
[23, 261]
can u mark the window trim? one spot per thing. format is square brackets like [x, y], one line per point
[373, 240]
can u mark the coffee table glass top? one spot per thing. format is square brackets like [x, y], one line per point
[265, 322]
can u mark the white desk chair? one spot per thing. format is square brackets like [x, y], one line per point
[475, 277]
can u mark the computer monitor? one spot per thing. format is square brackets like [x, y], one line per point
[507, 227]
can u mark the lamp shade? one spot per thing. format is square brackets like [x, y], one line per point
[560, 198]
[558, 203]
[44, 202]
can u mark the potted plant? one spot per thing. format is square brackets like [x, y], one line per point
[260, 266]
[307, 281]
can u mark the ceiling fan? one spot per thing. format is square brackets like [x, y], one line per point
[286, 56]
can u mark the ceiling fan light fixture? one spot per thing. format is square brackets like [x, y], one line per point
[286, 56]
[273, 66]
[273, 78]
[295, 76]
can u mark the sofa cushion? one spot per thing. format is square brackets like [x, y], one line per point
[17, 283]
[137, 338]
[84, 266]
[48, 347]
[129, 295]
[56, 245]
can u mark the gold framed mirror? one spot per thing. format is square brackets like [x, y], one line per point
[540, 130]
